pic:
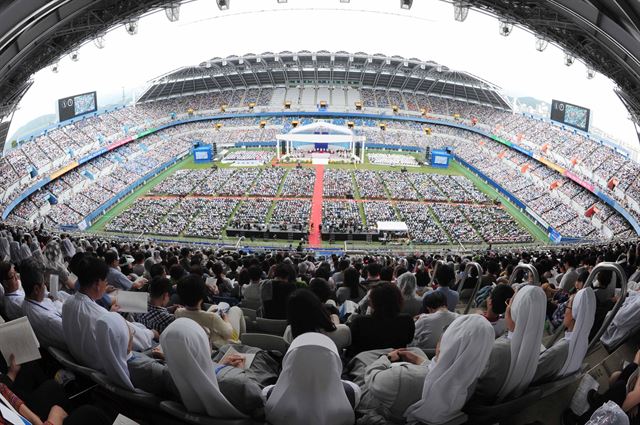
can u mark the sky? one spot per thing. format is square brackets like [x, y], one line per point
[427, 31]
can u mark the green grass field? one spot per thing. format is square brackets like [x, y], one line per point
[454, 169]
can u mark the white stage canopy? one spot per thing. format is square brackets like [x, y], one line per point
[392, 226]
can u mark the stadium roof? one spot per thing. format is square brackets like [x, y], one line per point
[324, 68]
[605, 34]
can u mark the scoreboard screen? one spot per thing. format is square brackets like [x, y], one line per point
[73, 106]
[573, 115]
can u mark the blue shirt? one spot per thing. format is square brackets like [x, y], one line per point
[118, 280]
[452, 297]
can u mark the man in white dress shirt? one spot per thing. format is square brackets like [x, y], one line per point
[44, 313]
[80, 312]
[13, 294]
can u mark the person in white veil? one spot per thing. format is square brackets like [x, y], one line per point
[519, 348]
[25, 252]
[625, 323]
[309, 389]
[114, 342]
[465, 348]
[188, 355]
[15, 252]
[566, 355]
[5, 253]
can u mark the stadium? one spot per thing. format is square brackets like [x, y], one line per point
[318, 236]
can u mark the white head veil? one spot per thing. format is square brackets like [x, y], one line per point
[464, 351]
[25, 252]
[188, 354]
[407, 285]
[528, 313]
[5, 253]
[309, 389]
[112, 338]
[14, 250]
[584, 312]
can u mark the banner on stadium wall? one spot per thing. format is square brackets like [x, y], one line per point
[578, 180]
[549, 164]
[536, 217]
[554, 235]
[63, 170]
[119, 143]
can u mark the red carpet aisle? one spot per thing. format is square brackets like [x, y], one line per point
[315, 240]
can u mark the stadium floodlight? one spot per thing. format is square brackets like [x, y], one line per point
[223, 4]
[406, 4]
[282, 1]
[173, 12]
[569, 59]
[131, 26]
[460, 10]
[505, 28]
[591, 73]
[99, 41]
[54, 68]
[345, 1]
[75, 56]
[541, 44]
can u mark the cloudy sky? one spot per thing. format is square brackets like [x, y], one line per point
[427, 31]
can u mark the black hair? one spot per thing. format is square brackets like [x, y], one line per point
[386, 300]
[499, 296]
[90, 270]
[444, 275]
[110, 256]
[373, 269]
[5, 269]
[156, 270]
[138, 256]
[30, 275]
[433, 300]
[283, 271]
[386, 274]
[321, 288]
[352, 281]
[159, 286]
[583, 276]
[177, 272]
[305, 313]
[191, 290]
[255, 273]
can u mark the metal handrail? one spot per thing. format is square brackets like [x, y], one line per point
[617, 269]
[530, 268]
[467, 269]
[622, 259]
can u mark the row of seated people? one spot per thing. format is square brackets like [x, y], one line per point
[371, 312]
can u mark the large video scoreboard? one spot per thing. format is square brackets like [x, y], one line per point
[573, 115]
[80, 104]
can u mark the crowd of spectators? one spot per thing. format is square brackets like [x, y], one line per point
[364, 338]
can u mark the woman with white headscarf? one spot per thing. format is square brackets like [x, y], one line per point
[565, 356]
[54, 262]
[114, 344]
[411, 304]
[464, 350]
[309, 389]
[188, 355]
[25, 252]
[519, 348]
[5, 253]
[15, 252]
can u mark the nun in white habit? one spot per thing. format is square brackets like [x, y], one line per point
[519, 348]
[309, 389]
[565, 356]
[113, 341]
[188, 356]
[5, 253]
[464, 351]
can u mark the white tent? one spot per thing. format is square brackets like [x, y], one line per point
[392, 226]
